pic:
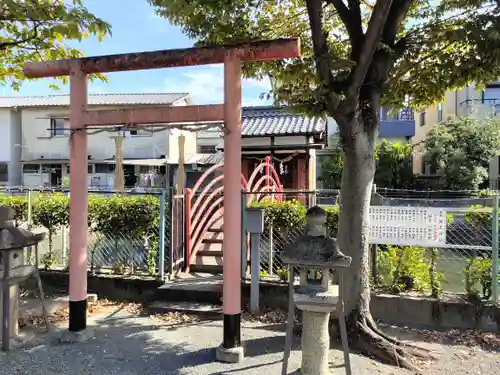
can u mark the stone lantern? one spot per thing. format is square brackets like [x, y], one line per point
[14, 269]
[315, 254]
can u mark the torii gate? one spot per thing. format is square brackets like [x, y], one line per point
[229, 113]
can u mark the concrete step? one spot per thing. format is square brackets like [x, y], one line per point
[211, 260]
[217, 246]
[217, 235]
[209, 253]
[204, 289]
[205, 310]
[215, 229]
[210, 240]
[208, 263]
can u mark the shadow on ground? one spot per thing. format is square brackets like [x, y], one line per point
[121, 344]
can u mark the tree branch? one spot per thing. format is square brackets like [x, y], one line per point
[17, 43]
[350, 17]
[369, 46]
[397, 14]
[321, 51]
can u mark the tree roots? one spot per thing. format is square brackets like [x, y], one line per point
[370, 340]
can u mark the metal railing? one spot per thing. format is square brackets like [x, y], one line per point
[466, 264]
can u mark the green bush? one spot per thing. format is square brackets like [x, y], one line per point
[19, 206]
[480, 219]
[51, 212]
[112, 217]
[288, 216]
[404, 268]
[282, 216]
[131, 215]
[478, 278]
[119, 217]
[332, 220]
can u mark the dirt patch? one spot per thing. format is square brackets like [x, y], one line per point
[95, 309]
[469, 338]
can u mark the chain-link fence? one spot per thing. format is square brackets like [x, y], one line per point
[463, 265]
[110, 251]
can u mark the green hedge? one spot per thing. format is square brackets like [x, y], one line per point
[130, 215]
[286, 217]
[113, 216]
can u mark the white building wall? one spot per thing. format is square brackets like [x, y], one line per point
[10, 150]
[15, 167]
[37, 142]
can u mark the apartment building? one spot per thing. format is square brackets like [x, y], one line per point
[395, 126]
[469, 101]
[35, 151]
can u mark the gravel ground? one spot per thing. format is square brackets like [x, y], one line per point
[124, 343]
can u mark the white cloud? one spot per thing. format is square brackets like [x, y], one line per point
[206, 85]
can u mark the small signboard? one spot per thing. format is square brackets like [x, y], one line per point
[410, 226]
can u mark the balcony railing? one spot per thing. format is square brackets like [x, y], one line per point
[405, 114]
[480, 108]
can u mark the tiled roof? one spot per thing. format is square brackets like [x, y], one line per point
[267, 121]
[93, 99]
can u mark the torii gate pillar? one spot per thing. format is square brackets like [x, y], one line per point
[78, 208]
[80, 118]
[231, 349]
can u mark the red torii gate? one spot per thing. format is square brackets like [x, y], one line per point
[229, 113]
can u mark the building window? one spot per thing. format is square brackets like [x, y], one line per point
[439, 109]
[422, 118]
[141, 131]
[206, 149]
[31, 168]
[429, 166]
[4, 172]
[49, 168]
[57, 127]
[104, 168]
[89, 169]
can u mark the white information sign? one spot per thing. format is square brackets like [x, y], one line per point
[411, 226]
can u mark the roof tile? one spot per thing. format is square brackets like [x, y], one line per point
[93, 99]
[266, 121]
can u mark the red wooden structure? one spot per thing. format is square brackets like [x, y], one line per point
[205, 211]
[230, 113]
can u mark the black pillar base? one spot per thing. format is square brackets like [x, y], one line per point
[77, 315]
[232, 331]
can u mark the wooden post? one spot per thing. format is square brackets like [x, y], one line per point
[231, 350]
[78, 203]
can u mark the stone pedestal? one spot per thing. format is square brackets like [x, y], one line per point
[229, 355]
[15, 260]
[14, 310]
[315, 254]
[315, 343]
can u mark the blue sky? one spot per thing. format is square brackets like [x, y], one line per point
[136, 28]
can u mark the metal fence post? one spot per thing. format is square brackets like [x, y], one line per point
[494, 246]
[30, 214]
[244, 250]
[255, 272]
[271, 250]
[64, 242]
[161, 242]
[174, 231]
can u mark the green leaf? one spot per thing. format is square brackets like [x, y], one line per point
[37, 30]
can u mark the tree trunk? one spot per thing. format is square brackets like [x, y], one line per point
[357, 180]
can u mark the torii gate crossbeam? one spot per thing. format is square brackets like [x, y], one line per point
[80, 117]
